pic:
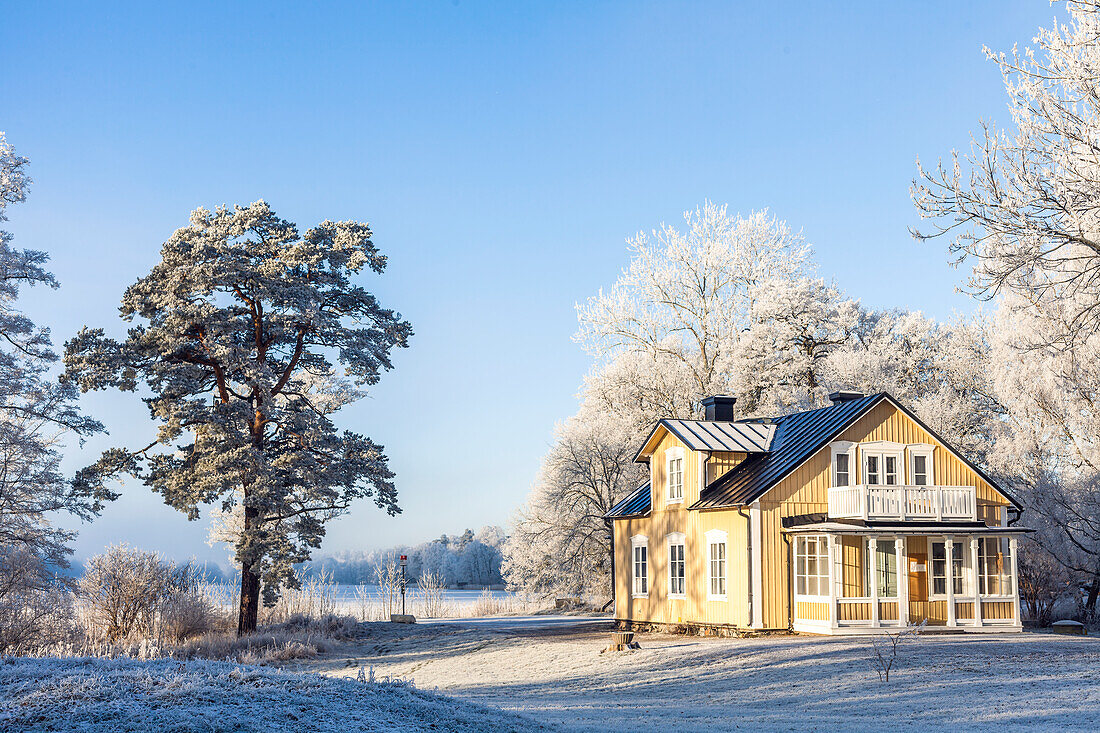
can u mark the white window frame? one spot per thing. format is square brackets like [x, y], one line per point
[844, 448]
[883, 449]
[960, 556]
[674, 454]
[714, 538]
[922, 449]
[1002, 575]
[821, 557]
[676, 539]
[639, 541]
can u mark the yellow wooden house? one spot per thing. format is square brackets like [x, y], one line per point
[853, 518]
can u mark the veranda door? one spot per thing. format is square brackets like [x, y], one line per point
[917, 553]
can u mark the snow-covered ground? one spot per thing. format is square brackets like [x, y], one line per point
[109, 695]
[552, 670]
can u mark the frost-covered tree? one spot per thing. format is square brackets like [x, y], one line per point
[561, 544]
[1024, 210]
[249, 336]
[1049, 447]
[730, 306]
[940, 371]
[688, 295]
[37, 415]
[1024, 205]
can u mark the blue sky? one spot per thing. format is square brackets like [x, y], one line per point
[502, 152]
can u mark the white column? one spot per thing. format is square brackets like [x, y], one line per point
[872, 552]
[834, 611]
[903, 581]
[949, 551]
[1012, 546]
[977, 581]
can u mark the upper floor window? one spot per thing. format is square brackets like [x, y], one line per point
[843, 463]
[882, 464]
[920, 464]
[842, 469]
[640, 562]
[676, 566]
[675, 476]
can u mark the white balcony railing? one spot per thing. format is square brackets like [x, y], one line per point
[903, 502]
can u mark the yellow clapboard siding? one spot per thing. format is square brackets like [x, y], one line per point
[860, 611]
[810, 611]
[997, 610]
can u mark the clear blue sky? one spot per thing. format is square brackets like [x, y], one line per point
[502, 152]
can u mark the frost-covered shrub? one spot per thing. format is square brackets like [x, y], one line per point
[128, 594]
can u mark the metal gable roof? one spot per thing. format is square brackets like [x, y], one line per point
[713, 435]
[637, 503]
[797, 437]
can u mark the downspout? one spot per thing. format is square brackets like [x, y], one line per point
[790, 584]
[748, 559]
[614, 581]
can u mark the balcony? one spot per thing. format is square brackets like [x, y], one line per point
[904, 503]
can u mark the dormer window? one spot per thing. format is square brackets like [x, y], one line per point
[675, 472]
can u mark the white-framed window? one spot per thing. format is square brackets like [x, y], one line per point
[716, 565]
[674, 471]
[886, 567]
[882, 463]
[938, 569]
[639, 559]
[843, 463]
[811, 566]
[677, 567]
[920, 465]
[993, 577]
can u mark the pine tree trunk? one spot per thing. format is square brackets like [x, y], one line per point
[250, 601]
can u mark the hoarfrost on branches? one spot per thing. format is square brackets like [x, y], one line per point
[37, 416]
[238, 333]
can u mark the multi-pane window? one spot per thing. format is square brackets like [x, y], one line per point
[880, 469]
[811, 562]
[717, 567]
[872, 472]
[992, 566]
[886, 568]
[842, 469]
[920, 470]
[676, 568]
[939, 569]
[675, 478]
[891, 473]
[641, 570]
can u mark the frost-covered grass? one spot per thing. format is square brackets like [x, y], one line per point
[1005, 682]
[108, 695]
